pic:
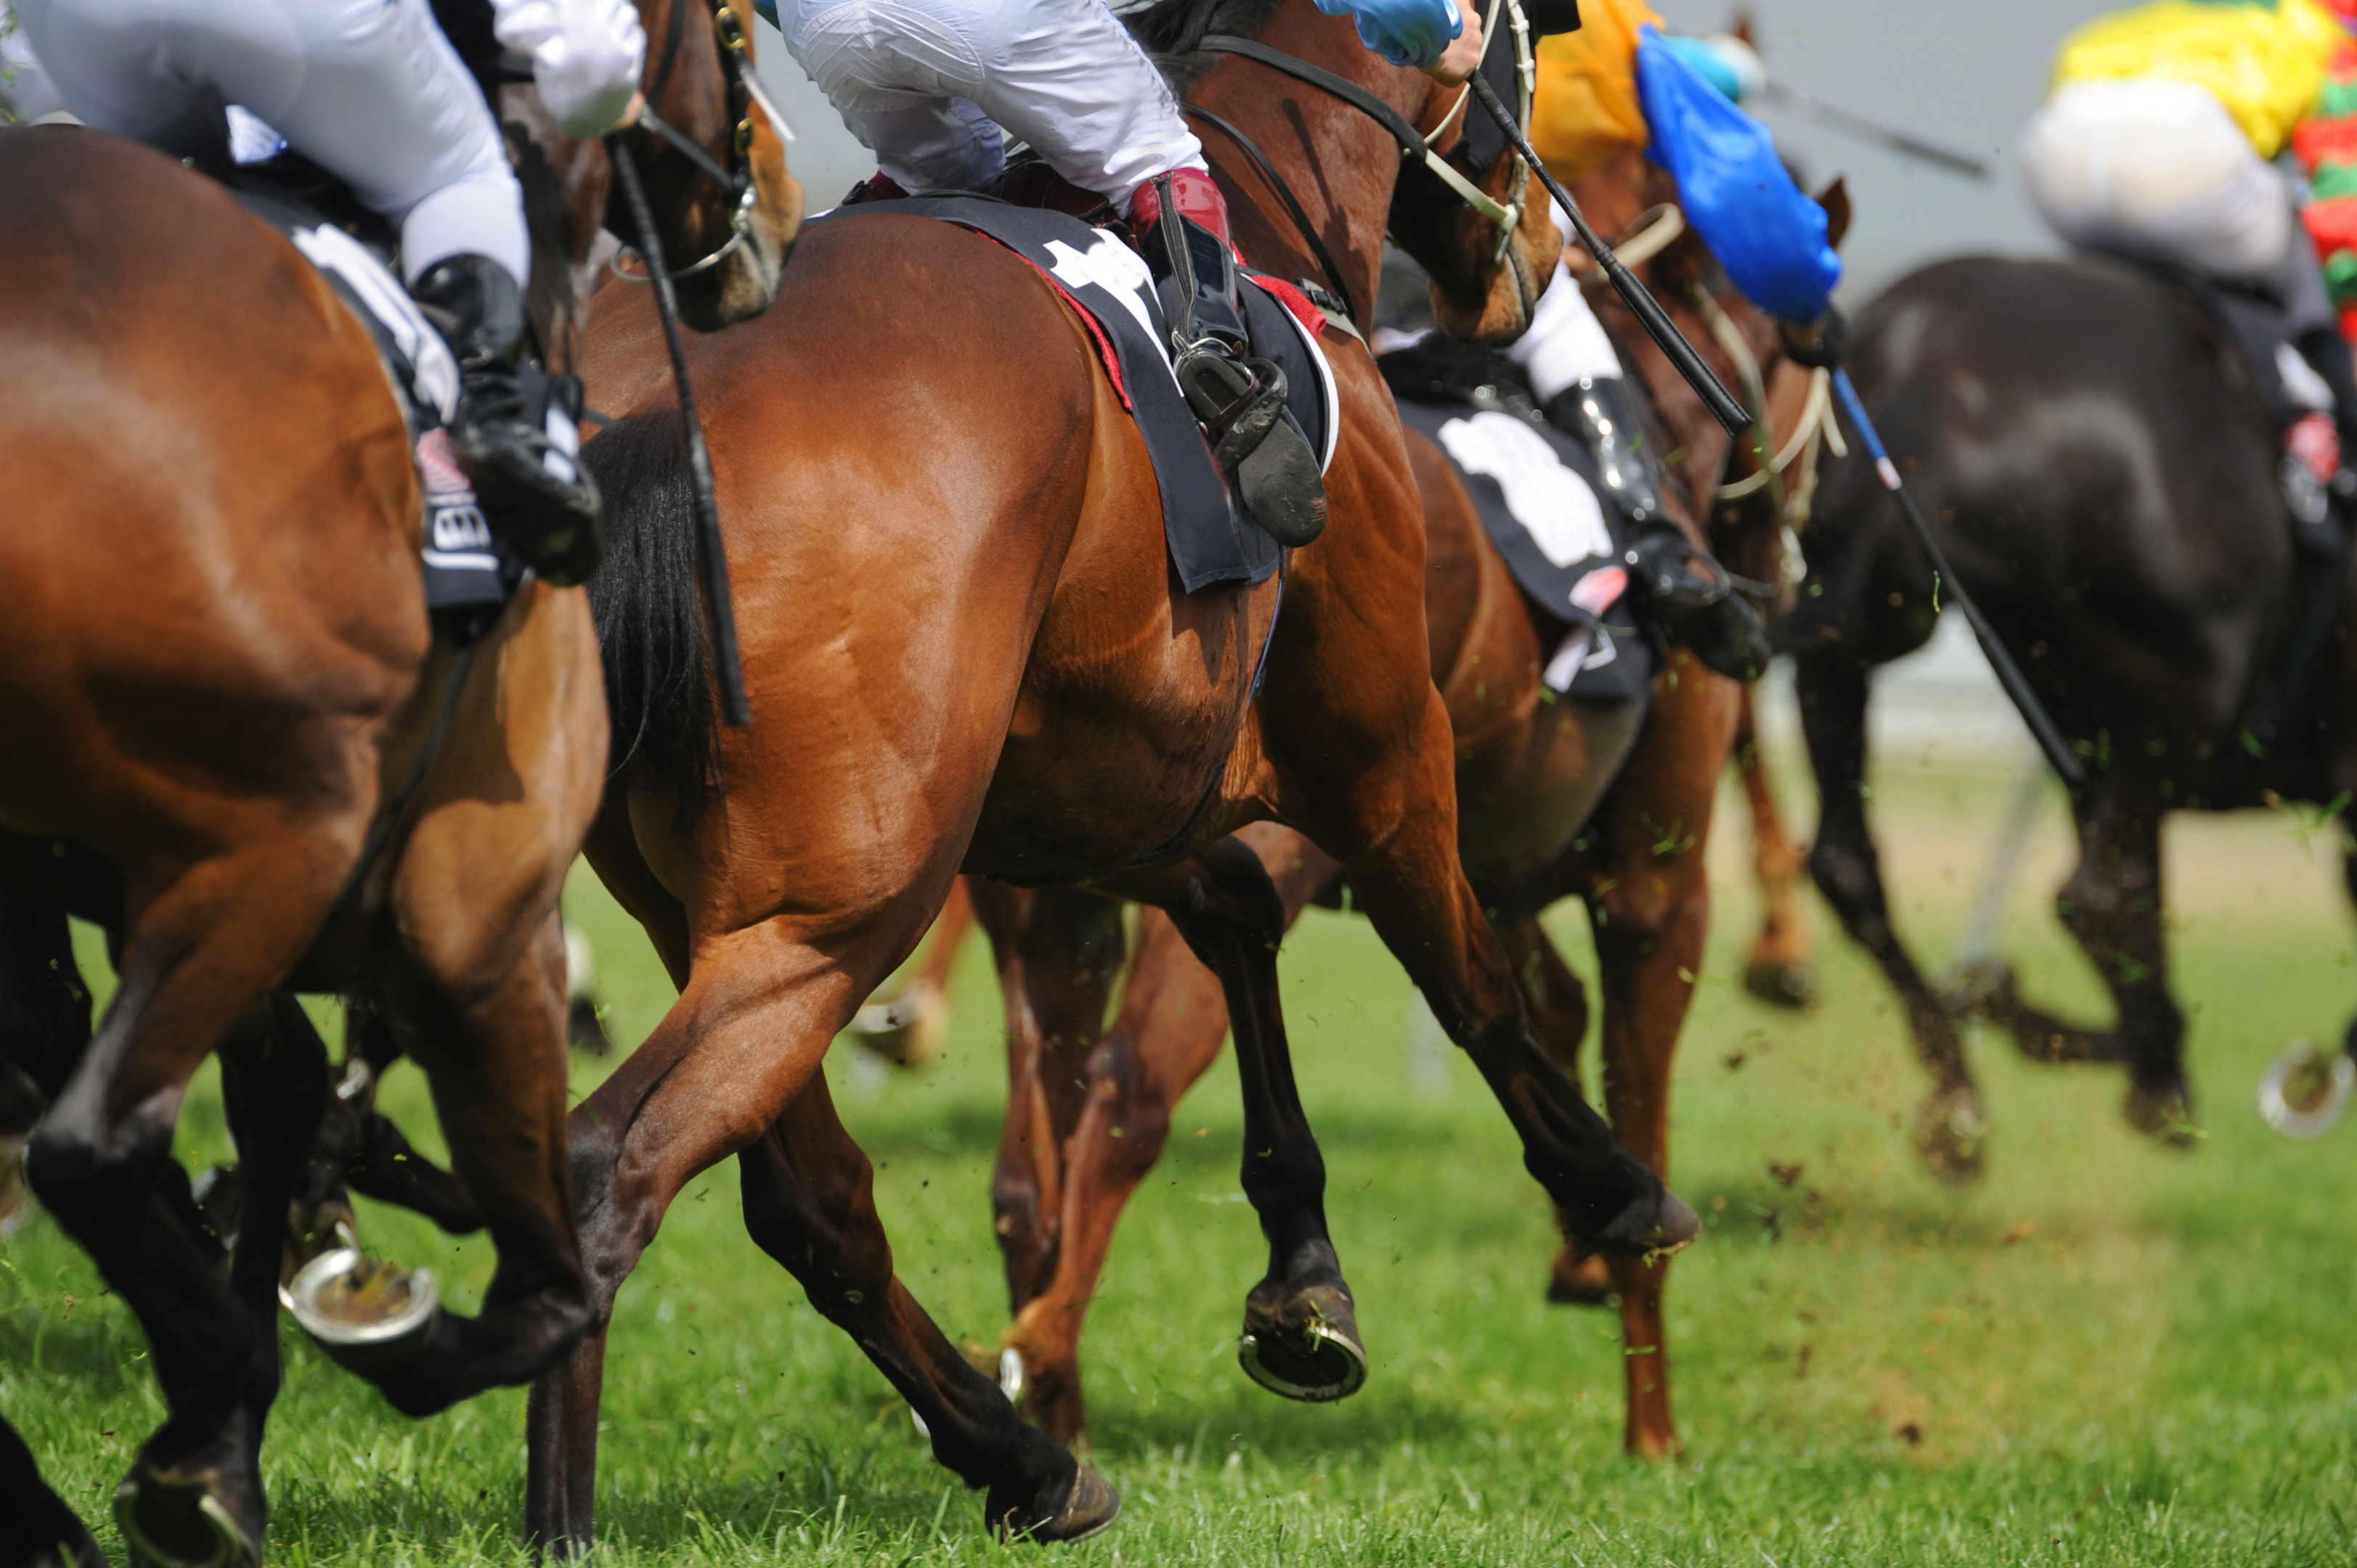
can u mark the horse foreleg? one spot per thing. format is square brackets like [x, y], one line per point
[37, 1529]
[1776, 969]
[2112, 906]
[1058, 952]
[1832, 686]
[809, 1203]
[1651, 913]
[1301, 1334]
[1558, 1007]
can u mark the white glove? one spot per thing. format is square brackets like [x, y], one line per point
[585, 56]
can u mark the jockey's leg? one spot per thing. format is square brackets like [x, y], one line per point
[928, 83]
[371, 92]
[1578, 379]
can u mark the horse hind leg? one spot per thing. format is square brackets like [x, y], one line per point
[1558, 1008]
[1950, 1126]
[809, 1203]
[1777, 969]
[189, 975]
[38, 1529]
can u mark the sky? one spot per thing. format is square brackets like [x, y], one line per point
[1965, 74]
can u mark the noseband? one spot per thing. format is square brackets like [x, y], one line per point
[744, 93]
[1507, 215]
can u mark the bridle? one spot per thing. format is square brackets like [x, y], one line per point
[1507, 215]
[744, 93]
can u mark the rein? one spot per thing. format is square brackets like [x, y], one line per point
[1413, 146]
[745, 95]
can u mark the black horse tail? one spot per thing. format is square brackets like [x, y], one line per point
[650, 628]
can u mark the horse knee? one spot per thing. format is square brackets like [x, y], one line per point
[87, 1172]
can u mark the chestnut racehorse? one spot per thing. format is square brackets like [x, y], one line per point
[235, 739]
[1557, 799]
[966, 650]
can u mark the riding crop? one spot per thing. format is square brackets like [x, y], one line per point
[2008, 674]
[712, 551]
[1658, 326]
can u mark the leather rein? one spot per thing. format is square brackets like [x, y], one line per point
[1414, 147]
[744, 93]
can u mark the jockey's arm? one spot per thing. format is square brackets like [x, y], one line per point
[586, 58]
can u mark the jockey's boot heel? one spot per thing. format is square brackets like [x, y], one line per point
[1691, 595]
[1239, 400]
[535, 496]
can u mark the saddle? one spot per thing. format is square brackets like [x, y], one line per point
[1544, 503]
[1080, 248]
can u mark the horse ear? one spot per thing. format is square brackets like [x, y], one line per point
[1835, 199]
[1742, 29]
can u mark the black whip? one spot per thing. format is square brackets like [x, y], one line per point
[2008, 674]
[712, 551]
[1649, 312]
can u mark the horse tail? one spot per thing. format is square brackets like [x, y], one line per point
[650, 615]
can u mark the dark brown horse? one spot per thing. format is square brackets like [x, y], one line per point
[966, 650]
[1608, 802]
[2093, 455]
[235, 739]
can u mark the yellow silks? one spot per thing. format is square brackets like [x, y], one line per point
[1586, 108]
[2266, 62]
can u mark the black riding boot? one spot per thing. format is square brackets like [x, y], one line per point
[534, 496]
[1239, 401]
[1690, 593]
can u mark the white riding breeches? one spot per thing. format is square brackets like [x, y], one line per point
[370, 90]
[928, 84]
[1565, 344]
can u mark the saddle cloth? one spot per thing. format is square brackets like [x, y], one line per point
[466, 569]
[1211, 540]
[1544, 505]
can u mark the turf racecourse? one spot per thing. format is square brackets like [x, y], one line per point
[2107, 1353]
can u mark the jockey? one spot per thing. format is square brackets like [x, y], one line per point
[2156, 144]
[1590, 107]
[371, 92]
[936, 86]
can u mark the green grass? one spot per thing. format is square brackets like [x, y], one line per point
[2107, 1353]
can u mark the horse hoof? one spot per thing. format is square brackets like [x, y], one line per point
[1952, 1135]
[1780, 985]
[172, 1518]
[1971, 989]
[1088, 1508]
[907, 1031]
[1653, 1224]
[2302, 1094]
[1578, 1279]
[369, 1316]
[1305, 1348]
[2163, 1112]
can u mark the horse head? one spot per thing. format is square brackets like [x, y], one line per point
[713, 168]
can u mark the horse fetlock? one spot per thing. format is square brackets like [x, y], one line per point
[206, 1510]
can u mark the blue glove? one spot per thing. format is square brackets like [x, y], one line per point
[1768, 236]
[1404, 32]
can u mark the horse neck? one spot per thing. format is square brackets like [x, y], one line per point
[1340, 165]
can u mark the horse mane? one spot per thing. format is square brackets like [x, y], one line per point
[650, 632]
[1171, 31]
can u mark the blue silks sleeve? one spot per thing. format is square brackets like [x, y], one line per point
[1404, 32]
[1764, 230]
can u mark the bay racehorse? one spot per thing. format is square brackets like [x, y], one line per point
[2091, 454]
[966, 650]
[1556, 798]
[236, 741]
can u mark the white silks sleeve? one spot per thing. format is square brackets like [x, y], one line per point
[585, 56]
[1566, 344]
